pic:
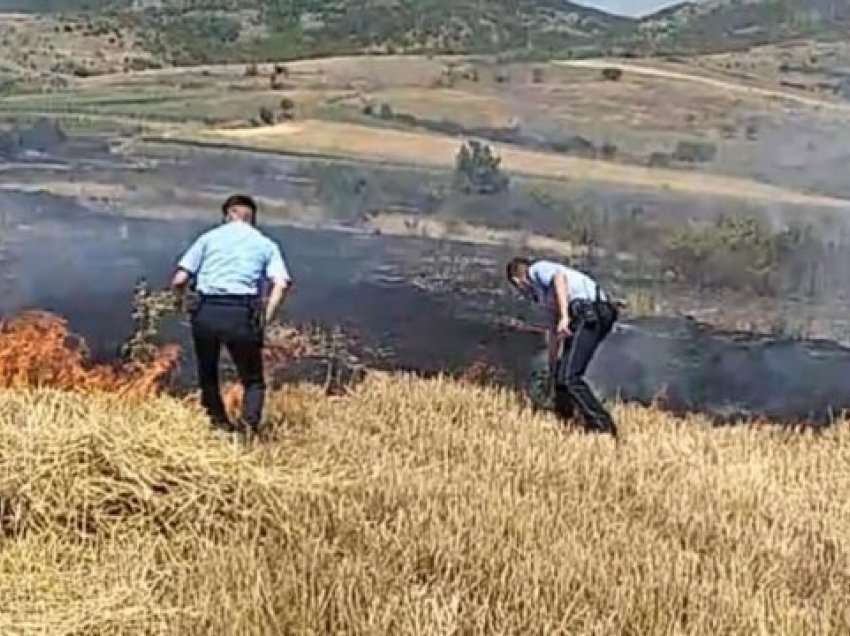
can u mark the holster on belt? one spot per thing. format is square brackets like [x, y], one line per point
[258, 315]
[584, 311]
[191, 302]
[589, 311]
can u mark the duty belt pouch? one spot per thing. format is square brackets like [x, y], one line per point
[584, 311]
[192, 302]
[258, 317]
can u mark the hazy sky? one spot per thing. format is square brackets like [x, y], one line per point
[629, 7]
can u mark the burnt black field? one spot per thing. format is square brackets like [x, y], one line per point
[63, 257]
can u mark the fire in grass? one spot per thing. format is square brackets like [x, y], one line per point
[38, 350]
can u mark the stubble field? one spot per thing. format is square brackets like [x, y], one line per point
[413, 507]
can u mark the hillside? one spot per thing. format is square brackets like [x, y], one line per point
[211, 31]
[716, 25]
[222, 30]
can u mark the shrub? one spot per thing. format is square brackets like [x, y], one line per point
[267, 116]
[742, 253]
[502, 77]
[695, 151]
[608, 150]
[278, 82]
[752, 132]
[660, 160]
[478, 170]
[731, 252]
[287, 109]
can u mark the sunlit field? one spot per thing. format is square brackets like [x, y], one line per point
[413, 506]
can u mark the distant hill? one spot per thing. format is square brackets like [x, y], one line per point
[192, 31]
[729, 24]
[317, 27]
[206, 31]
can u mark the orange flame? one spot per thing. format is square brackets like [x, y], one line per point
[37, 350]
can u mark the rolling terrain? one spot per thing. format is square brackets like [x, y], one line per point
[349, 141]
[410, 480]
[630, 166]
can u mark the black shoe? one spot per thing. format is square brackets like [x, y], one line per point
[225, 426]
[602, 429]
[564, 405]
[250, 432]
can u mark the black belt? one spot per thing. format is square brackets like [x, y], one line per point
[233, 300]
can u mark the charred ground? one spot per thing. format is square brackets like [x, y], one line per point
[705, 186]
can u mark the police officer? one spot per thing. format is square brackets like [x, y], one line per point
[582, 316]
[229, 266]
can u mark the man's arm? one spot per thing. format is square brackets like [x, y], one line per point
[555, 343]
[562, 301]
[278, 273]
[277, 296]
[188, 266]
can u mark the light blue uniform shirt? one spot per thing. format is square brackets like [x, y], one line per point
[234, 258]
[580, 286]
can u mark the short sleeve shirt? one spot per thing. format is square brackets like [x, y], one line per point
[234, 258]
[580, 286]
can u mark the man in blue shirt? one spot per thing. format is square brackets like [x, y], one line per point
[582, 316]
[229, 266]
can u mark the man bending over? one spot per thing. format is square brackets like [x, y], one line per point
[582, 316]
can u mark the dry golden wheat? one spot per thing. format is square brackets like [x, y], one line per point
[413, 507]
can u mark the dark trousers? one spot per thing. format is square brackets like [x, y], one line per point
[590, 323]
[233, 324]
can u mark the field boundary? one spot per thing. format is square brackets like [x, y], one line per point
[295, 140]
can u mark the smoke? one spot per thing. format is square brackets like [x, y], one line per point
[687, 367]
[726, 375]
[88, 271]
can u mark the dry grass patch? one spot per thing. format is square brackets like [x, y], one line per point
[354, 141]
[415, 507]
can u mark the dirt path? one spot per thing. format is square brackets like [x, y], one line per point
[353, 141]
[713, 82]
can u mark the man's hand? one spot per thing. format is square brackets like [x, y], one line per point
[277, 297]
[562, 300]
[179, 283]
[180, 280]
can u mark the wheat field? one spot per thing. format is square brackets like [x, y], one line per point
[354, 141]
[413, 506]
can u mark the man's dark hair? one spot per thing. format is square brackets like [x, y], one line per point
[243, 200]
[517, 266]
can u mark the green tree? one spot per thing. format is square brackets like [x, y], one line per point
[478, 170]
